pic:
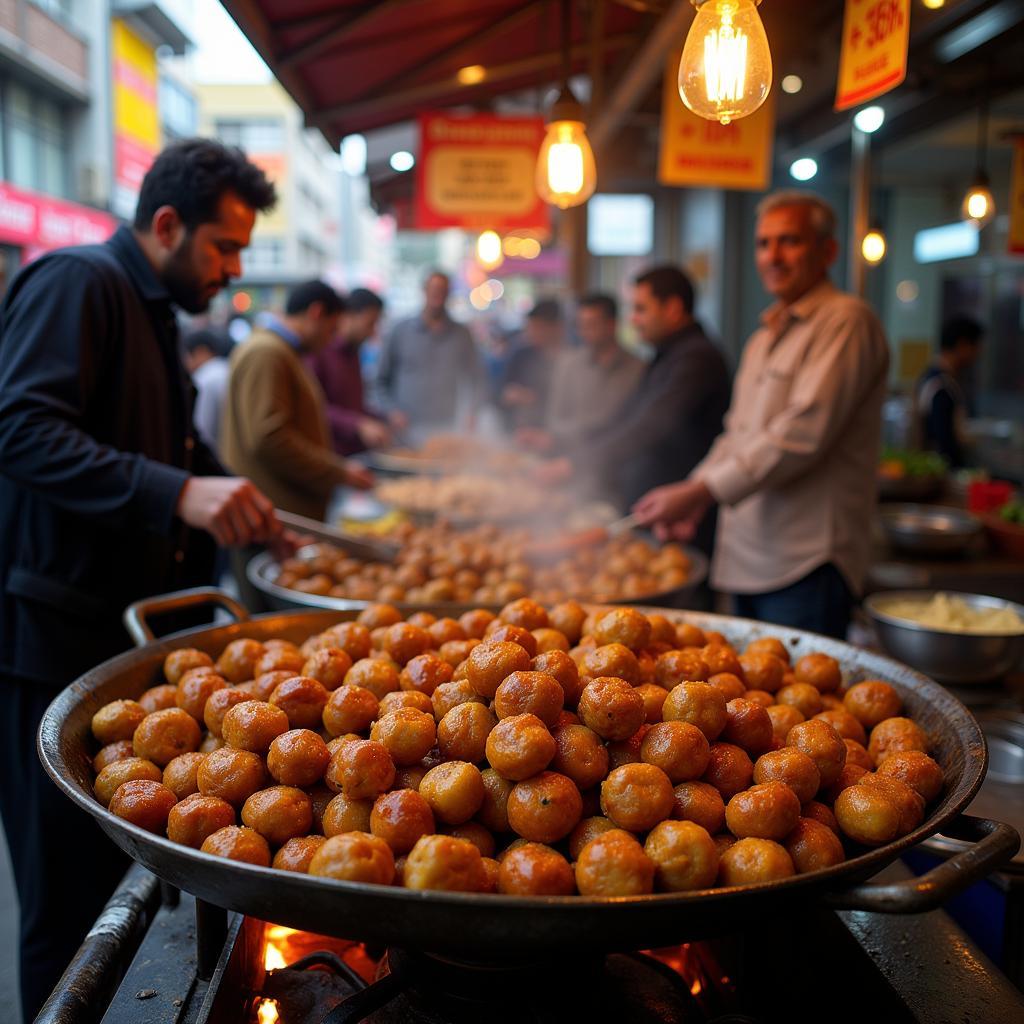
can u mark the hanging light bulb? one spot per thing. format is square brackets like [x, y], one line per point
[726, 69]
[873, 246]
[566, 172]
[979, 205]
[488, 250]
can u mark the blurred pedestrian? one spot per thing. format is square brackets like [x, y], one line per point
[206, 359]
[523, 394]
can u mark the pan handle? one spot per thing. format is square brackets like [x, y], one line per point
[993, 843]
[135, 614]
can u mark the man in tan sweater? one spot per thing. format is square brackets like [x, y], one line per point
[275, 429]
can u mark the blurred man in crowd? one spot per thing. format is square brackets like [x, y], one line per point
[590, 383]
[106, 496]
[206, 359]
[275, 425]
[940, 405]
[355, 427]
[668, 423]
[523, 392]
[794, 472]
[429, 367]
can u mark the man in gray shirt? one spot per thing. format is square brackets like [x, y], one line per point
[430, 370]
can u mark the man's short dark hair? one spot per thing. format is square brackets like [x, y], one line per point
[546, 310]
[668, 282]
[304, 295]
[602, 301]
[218, 342]
[361, 299]
[192, 175]
[960, 328]
[437, 273]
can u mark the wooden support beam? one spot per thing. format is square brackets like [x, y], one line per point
[333, 36]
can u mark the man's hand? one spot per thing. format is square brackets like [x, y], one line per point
[287, 542]
[515, 396]
[373, 433]
[358, 476]
[230, 508]
[533, 439]
[675, 510]
[554, 471]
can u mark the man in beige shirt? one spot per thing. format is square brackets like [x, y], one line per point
[275, 427]
[794, 471]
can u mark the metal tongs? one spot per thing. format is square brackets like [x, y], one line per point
[576, 540]
[361, 547]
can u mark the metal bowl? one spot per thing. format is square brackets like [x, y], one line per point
[928, 529]
[957, 658]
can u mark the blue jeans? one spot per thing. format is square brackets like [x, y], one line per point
[821, 602]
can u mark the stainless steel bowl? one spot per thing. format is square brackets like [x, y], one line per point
[957, 658]
[929, 529]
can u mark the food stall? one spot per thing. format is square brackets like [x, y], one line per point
[485, 760]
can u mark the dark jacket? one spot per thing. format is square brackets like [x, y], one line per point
[96, 442]
[668, 424]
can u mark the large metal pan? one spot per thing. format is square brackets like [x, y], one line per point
[481, 927]
[262, 572]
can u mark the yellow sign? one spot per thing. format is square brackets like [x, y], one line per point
[705, 154]
[874, 53]
[1017, 198]
[136, 117]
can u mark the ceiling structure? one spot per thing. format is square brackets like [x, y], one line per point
[355, 66]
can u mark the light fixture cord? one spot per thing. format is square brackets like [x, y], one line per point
[566, 36]
[982, 154]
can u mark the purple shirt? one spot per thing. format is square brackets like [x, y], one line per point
[337, 368]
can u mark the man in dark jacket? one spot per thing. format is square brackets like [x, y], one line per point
[676, 412]
[106, 495]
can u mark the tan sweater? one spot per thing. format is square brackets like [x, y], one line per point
[275, 430]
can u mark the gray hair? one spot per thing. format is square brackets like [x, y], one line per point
[823, 217]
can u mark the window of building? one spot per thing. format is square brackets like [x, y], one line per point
[254, 135]
[35, 141]
[60, 9]
[179, 112]
[263, 254]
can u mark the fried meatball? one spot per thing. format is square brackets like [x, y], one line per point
[490, 663]
[127, 769]
[157, 698]
[297, 854]
[425, 673]
[699, 704]
[446, 863]
[328, 667]
[585, 830]
[303, 700]
[351, 637]
[379, 677]
[720, 658]
[493, 813]
[791, 766]
[298, 757]
[891, 736]
[400, 818]
[568, 619]
[238, 843]
[343, 814]
[143, 802]
[376, 615]
[253, 724]
[534, 869]
[453, 790]
[544, 808]
[872, 701]
[163, 735]
[684, 855]
[180, 775]
[674, 667]
[784, 717]
[729, 769]
[354, 857]
[768, 810]
[559, 665]
[349, 709]
[178, 662]
[822, 744]
[519, 747]
[868, 815]
[917, 770]
[614, 864]
[238, 660]
[611, 707]
[768, 645]
[195, 817]
[637, 796]
[762, 671]
[533, 693]
[802, 696]
[751, 861]
[406, 734]
[728, 685]
[580, 755]
[462, 733]
[813, 846]
[119, 751]
[748, 725]
[844, 723]
[233, 775]
[117, 720]
[525, 613]
[679, 749]
[700, 803]
[625, 626]
[361, 769]
[820, 670]
[612, 660]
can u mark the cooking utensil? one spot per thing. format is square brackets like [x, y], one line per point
[262, 572]
[929, 529]
[957, 658]
[360, 547]
[478, 926]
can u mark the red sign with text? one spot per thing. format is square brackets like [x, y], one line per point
[40, 223]
[478, 173]
[874, 54]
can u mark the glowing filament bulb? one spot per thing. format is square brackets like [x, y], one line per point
[725, 63]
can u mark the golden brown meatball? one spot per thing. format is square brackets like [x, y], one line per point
[462, 733]
[791, 766]
[297, 854]
[728, 685]
[157, 698]
[279, 659]
[688, 635]
[349, 709]
[117, 720]
[721, 658]
[813, 846]
[580, 755]
[490, 663]
[783, 717]
[264, 685]
[303, 700]
[612, 660]
[585, 830]
[819, 812]
[298, 757]
[819, 670]
[346, 815]
[400, 818]
[729, 769]
[405, 699]
[802, 696]
[637, 796]
[128, 769]
[180, 774]
[493, 813]
[679, 749]
[684, 855]
[379, 677]
[907, 800]
[361, 769]
[534, 693]
[699, 704]
[144, 803]
[769, 645]
[768, 810]
[238, 843]
[253, 724]
[868, 815]
[178, 662]
[195, 817]
[844, 723]
[163, 735]
[568, 618]
[519, 747]
[917, 770]
[550, 640]
[453, 790]
[748, 725]
[625, 626]
[219, 703]
[614, 864]
[451, 695]
[823, 745]
[525, 613]
[504, 632]
[892, 736]
[119, 751]
[872, 701]
[446, 863]
[377, 615]
[328, 667]
[406, 734]
[232, 775]
[763, 671]
[425, 673]
[238, 660]
[611, 707]
[351, 637]
[564, 670]
[751, 861]
[279, 813]
[674, 667]
[700, 803]
[544, 808]
[856, 753]
[535, 870]
[354, 857]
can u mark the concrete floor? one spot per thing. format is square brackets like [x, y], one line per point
[8, 937]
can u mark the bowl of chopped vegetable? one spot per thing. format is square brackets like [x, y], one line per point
[905, 475]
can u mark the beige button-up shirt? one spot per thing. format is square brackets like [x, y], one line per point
[794, 471]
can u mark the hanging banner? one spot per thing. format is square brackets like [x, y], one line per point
[478, 172]
[873, 58]
[1017, 199]
[699, 153]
